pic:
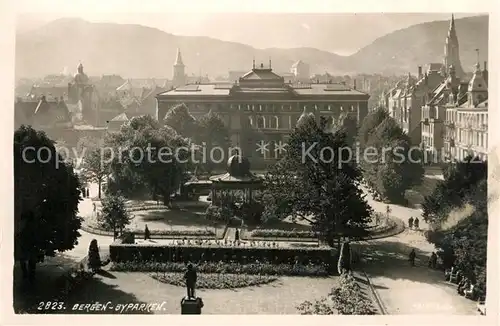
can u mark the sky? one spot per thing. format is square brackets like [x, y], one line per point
[341, 33]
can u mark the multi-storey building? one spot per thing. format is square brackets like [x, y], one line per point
[262, 100]
[405, 100]
[450, 92]
[419, 104]
[466, 131]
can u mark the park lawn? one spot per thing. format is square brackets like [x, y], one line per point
[193, 219]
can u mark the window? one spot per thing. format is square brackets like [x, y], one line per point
[250, 121]
[261, 122]
[276, 122]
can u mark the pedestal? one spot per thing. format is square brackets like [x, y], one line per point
[191, 306]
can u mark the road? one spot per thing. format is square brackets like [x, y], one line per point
[404, 289]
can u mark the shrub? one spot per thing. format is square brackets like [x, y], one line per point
[254, 268]
[127, 237]
[345, 299]
[216, 281]
[217, 213]
[252, 213]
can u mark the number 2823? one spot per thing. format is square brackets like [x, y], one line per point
[51, 305]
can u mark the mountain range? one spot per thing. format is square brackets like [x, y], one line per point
[137, 51]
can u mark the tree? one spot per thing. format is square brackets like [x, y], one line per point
[114, 215]
[370, 122]
[179, 119]
[321, 187]
[156, 155]
[347, 123]
[46, 194]
[213, 133]
[397, 165]
[95, 166]
[460, 183]
[465, 242]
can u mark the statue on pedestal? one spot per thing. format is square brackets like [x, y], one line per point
[191, 304]
[190, 278]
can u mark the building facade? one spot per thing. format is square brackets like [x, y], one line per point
[262, 107]
[466, 131]
[419, 105]
[405, 100]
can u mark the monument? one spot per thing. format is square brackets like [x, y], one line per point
[191, 305]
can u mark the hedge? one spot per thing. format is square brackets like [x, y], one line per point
[182, 253]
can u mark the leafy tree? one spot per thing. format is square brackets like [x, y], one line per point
[95, 166]
[179, 118]
[460, 183]
[321, 186]
[46, 194]
[397, 165]
[114, 215]
[461, 241]
[153, 154]
[370, 122]
[465, 243]
[347, 123]
[213, 133]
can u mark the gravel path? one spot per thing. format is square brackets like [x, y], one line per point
[279, 297]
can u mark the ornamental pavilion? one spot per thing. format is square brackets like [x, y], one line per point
[238, 185]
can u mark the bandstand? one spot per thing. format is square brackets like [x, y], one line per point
[238, 186]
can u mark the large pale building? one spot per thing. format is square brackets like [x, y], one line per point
[263, 101]
[466, 131]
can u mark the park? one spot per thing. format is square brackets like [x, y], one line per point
[297, 238]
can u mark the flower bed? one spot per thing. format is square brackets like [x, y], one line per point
[216, 281]
[158, 234]
[269, 233]
[345, 299]
[136, 208]
[254, 268]
[212, 252]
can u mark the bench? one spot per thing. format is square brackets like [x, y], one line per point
[471, 292]
[455, 277]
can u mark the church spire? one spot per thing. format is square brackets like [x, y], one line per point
[451, 51]
[178, 59]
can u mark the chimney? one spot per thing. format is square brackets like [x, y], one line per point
[354, 84]
[419, 72]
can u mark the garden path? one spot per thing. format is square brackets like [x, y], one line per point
[279, 297]
[404, 289]
[410, 290]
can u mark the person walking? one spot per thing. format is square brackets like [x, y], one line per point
[412, 257]
[433, 260]
[415, 223]
[410, 222]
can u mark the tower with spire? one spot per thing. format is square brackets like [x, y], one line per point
[179, 78]
[452, 51]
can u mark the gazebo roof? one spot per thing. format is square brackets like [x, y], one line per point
[238, 172]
